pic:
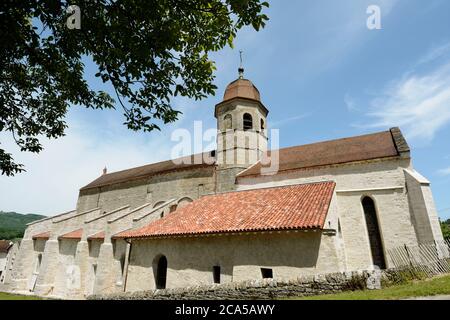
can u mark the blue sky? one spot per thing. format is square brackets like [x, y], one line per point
[322, 74]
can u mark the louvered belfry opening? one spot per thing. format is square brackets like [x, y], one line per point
[248, 121]
[376, 244]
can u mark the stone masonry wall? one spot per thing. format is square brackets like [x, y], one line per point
[190, 260]
[254, 289]
[381, 180]
[191, 183]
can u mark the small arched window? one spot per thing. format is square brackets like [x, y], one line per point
[339, 229]
[262, 124]
[122, 263]
[227, 122]
[37, 265]
[157, 204]
[248, 121]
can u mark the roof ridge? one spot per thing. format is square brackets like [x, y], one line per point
[364, 147]
[153, 163]
[149, 169]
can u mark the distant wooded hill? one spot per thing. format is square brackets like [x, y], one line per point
[13, 224]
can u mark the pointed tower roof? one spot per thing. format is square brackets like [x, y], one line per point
[241, 88]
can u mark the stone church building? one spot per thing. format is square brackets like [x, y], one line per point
[238, 213]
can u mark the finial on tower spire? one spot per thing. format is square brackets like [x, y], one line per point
[241, 68]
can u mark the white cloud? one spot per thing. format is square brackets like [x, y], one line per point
[94, 139]
[434, 53]
[350, 103]
[419, 104]
[304, 39]
[280, 123]
[444, 172]
[54, 176]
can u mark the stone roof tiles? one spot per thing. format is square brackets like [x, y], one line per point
[359, 148]
[184, 163]
[390, 143]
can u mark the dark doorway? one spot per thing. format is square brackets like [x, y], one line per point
[216, 274]
[161, 273]
[376, 245]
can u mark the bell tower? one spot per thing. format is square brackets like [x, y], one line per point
[242, 134]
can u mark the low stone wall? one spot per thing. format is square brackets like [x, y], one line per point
[255, 289]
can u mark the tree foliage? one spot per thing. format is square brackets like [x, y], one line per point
[149, 51]
[445, 227]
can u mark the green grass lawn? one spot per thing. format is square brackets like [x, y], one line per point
[8, 296]
[430, 287]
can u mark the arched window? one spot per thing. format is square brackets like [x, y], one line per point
[35, 274]
[172, 208]
[339, 229]
[262, 124]
[227, 122]
[160, 264]
[122, 264]
[91, 287]
[376, 245]
[248, 121]
[38, 263]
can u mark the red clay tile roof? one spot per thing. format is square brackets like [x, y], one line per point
[183, 163]
[42, 236]
[282, 208]
[76, 234]
[365, 147]
[97, 236]
[5, 245]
